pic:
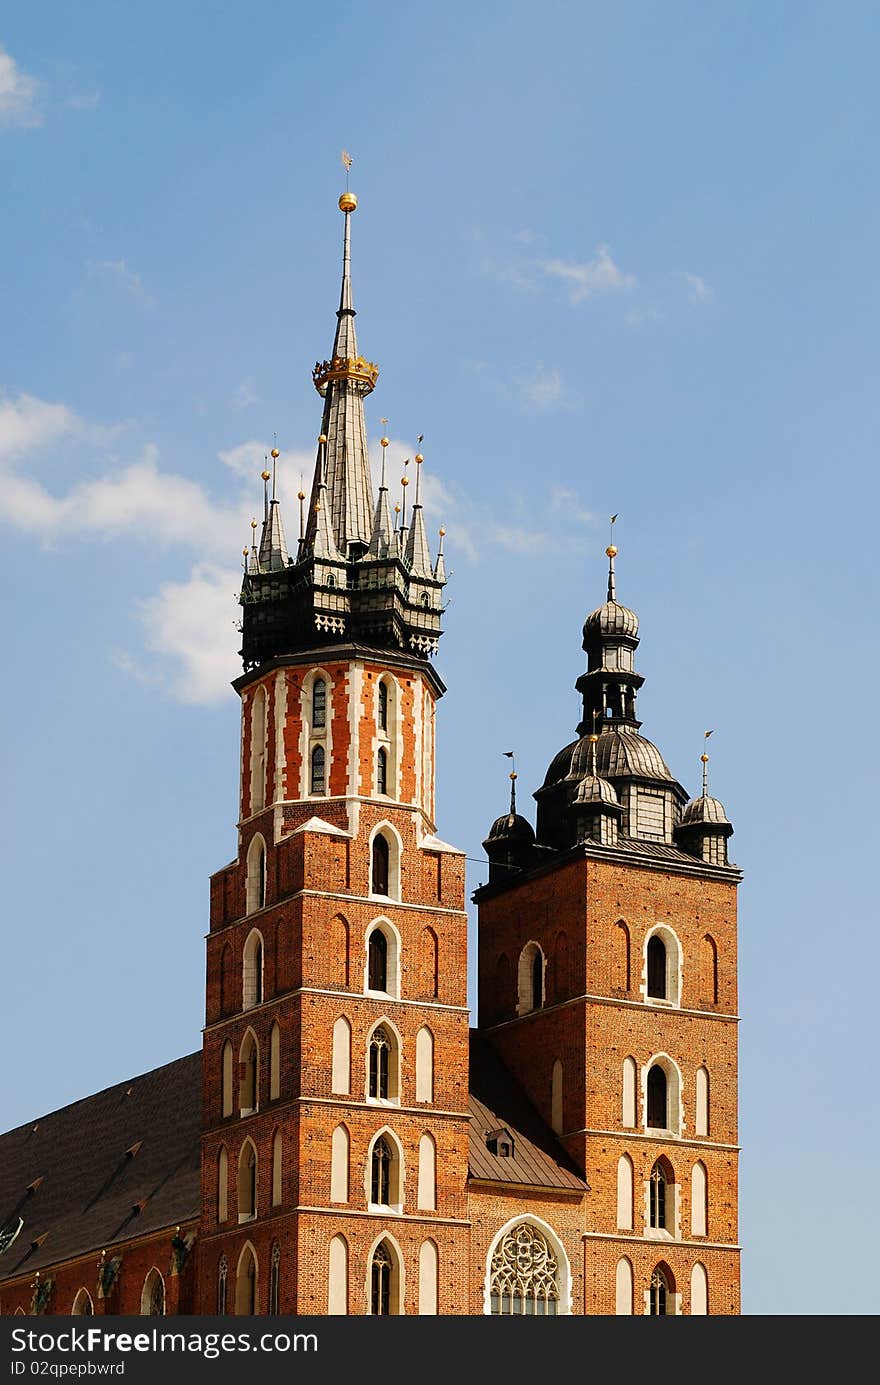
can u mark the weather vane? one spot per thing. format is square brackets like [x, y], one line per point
[346, 164]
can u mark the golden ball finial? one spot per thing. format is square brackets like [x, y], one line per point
[266, 475]
[611, 551]
[443, 533]
[275, 452]
[300, 495]
[253, 524]
[594, 738]
[419, 458]
[383, 442]
[347, 202]
[705, 759]
[244, 552]
[322, 437]
[404, 480]
[397, 509]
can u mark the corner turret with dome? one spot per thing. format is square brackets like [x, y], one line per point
[356, 577]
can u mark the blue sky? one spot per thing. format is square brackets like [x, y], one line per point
[609, 259]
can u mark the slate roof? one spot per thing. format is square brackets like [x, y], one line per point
[497, 1102]
[89, 1187]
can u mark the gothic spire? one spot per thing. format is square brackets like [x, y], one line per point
[343, 381]
[381, 537]
[273, 547]
[417, 553]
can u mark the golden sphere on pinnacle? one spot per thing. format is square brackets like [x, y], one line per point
[347, 202]
[265, 475]
[275, 452]
[611, 551]
[383, 442]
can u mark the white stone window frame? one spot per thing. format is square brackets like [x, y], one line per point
[396, 1207]
[387, 830]
[247, 1249]
[395, 1063]
[524, 989]
[398, 1277]
[259, 739]
[389, 739]
[249, 1033]
[672, 1230]
[253, 954]
[252, 1214]
[311, 737]
[255, 897]
[674, 967]
[562, 1261]
[392, 963]
[674, 1097]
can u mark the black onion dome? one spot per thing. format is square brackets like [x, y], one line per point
[620, 754]
[593, 789]
[704, 811]
[511, 828]
[611, 619]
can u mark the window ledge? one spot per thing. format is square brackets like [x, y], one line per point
[246, 1216]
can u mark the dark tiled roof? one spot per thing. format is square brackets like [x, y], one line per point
[89, 1187]
[497, 1102]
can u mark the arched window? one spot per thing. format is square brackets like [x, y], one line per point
[380, 1055]
[226, 1079]
[319, 705]
[622, 956]
[341, 1070]
[657, 1099]
[222, 1275]
[429, 1265]
[657, 968]
[427, 1189]
[657, 1197]
[524, 1274]
[274, 1063]
[255, 888]
[258, 751]
[428, 954]
[222, 1184]
[698, 1199]
[556, 1097]
[424, 1065]
[625, 1193]
[337, 1277]
[661, 1292]
[153, 1295]
[276, 1169]
[628, 1114]
[246, 1283]
[226, 969]
[377, 961]
[275, 1279]
[623, 1288]
[531, 979]
[249, 1074]
[82, 1304]
[252, 971]
[340, 1146]
[701, 1102]
[382, 772]
[382, 706]
[318, 776]
[709, 969]
[699, 1290]
[247, 1182]
[381, 1267]
[380, 863]
[380, 1173]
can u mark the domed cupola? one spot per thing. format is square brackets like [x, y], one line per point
[705, 827]
[595, 809]
[610, 684]
[510, 840]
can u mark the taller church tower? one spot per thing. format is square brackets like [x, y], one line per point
[334, 1149]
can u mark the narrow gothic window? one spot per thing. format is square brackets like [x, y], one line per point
[380, 865]
[537, 981]
[258, 974]
[222, 1275]
[657, 1197]
[382, 773]
[318, 775]
[261, 879]
[524, 1274]
[657, 968]
[275, 1279]
[319, 703]
[383, 706]
[380, 1282]
[659, 1294]
[380, 1173]
[153, 1296]
[657, 1098]
[377, 969]
[380, 1048]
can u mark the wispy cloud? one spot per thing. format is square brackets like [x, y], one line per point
[245, 395]
[19, 94]
[698, 290]
[542, 389]
[587, 278]
[123, 277]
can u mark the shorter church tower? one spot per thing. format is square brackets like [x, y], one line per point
[607, 984]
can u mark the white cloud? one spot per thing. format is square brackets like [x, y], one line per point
[19, 94]
[123, 277]
[542, 389]
[191, 629]
[698, 290]
[599, 275]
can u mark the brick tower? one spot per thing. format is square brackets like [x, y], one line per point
[335, 1127]
[607, 983]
